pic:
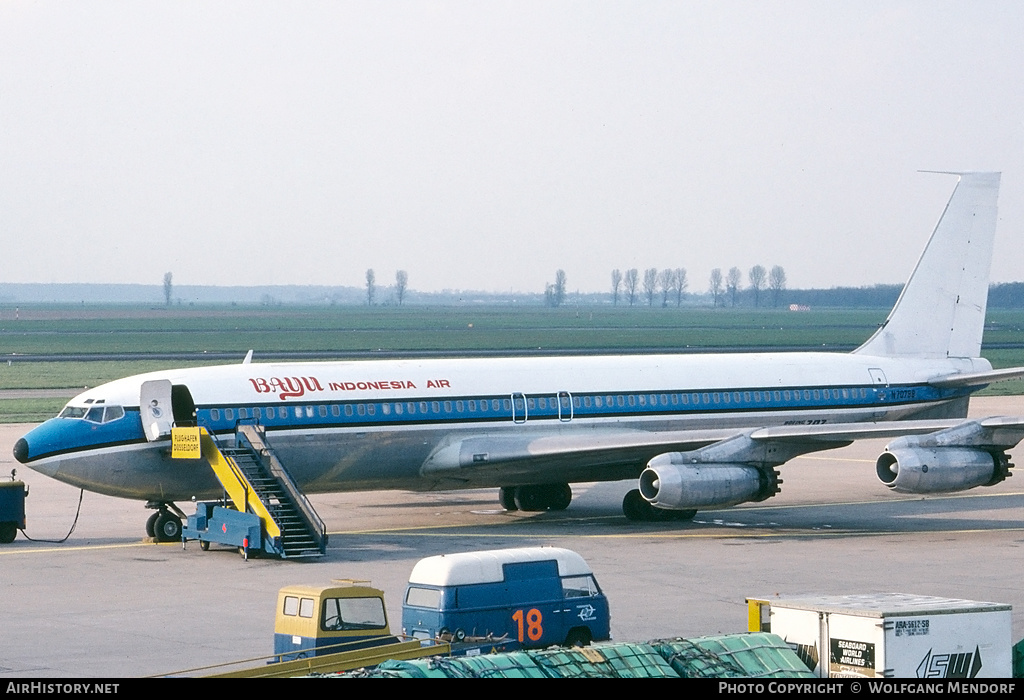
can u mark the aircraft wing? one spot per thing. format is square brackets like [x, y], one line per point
[969, 379]
[624, 454]
[578, 456]
[1000, 431]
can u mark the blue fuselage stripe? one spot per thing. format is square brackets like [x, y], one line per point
[564, 406]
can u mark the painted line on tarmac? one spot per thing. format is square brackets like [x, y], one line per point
[730, 534]
[85, 547]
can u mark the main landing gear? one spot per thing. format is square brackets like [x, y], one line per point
[635, 508]
[535, 497]
[163, 525]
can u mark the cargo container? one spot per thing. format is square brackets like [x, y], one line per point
[892, 635]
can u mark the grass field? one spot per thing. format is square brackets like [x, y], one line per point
[108, 330]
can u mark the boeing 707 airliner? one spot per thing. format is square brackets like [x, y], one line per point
[695, 431]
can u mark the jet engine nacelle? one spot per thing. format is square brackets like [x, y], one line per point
[694, 486]
[939, 469]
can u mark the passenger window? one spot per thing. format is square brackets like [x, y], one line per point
[306, 607]
[291, 605]
[423, 597]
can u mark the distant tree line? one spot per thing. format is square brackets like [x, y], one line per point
[667, 286]
[401, 285]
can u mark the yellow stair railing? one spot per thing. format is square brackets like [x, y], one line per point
[236, 485]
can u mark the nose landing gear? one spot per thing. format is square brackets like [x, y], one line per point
[163, 525]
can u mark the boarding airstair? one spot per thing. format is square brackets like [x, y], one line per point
[269, 514]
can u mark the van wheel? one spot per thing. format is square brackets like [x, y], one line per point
[578, 637]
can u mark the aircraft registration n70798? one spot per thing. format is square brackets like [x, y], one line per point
[695, 431]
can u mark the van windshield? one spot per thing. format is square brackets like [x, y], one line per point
[579, 586]
[353, 614]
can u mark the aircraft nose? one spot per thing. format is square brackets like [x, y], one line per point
[21, 450]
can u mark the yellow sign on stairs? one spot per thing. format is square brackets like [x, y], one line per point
[185, 443]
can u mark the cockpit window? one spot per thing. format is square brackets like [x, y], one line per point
[97, 413]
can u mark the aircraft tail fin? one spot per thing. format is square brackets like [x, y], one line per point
[941, 311]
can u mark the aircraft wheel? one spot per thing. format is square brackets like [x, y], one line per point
[637, 509]
[507, 498]
[559, 496]
[530, 498]
[167, 527]
[683, 515]
[151, 524]
[633, 506]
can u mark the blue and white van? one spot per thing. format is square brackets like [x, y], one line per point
[527, 598]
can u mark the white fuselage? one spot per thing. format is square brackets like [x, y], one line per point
[382, 424]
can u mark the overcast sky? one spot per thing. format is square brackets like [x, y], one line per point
[484, 145]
